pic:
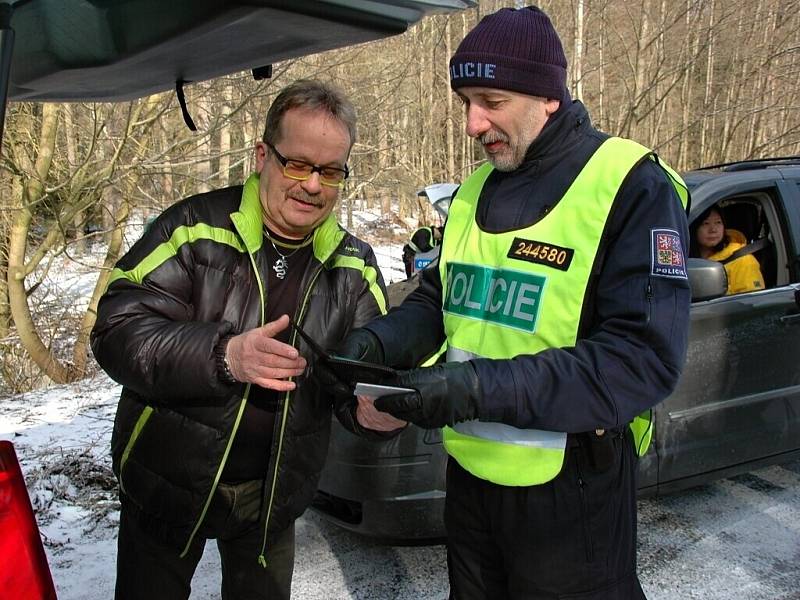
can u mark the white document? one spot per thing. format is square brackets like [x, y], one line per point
[373, 390]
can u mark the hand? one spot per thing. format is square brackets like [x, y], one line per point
[371, 418]
[361, 344]
[255, 356]
[445, 394]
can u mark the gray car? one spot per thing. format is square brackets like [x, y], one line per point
[736, 407]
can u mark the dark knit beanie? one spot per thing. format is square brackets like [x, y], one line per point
[512, 49]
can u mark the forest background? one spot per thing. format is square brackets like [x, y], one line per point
[700, 81]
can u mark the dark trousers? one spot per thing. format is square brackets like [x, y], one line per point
[150, 570]
[573, 537]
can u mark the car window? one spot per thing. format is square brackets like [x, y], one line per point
[749, 220]
[748, 216]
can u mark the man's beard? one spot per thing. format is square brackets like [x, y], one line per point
[505, 161]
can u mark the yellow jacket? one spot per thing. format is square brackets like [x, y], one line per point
[744, 273]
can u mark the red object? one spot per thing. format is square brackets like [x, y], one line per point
[24, 573]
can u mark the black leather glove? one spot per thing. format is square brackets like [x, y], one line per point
[331, 383]
[361, 344]
[445, 394]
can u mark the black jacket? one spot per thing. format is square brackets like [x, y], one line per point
[634, 325]
[190, 280]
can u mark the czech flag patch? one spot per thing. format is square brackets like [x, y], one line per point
[666, 254]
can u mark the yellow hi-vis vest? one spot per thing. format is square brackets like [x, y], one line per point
[521, 292]
[432, 241]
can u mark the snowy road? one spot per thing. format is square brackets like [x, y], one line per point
[737, 538]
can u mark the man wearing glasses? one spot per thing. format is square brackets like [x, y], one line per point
[218, 434]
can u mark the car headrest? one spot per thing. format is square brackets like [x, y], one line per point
[745, 217]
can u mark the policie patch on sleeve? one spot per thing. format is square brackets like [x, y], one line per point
[541, 253]
[666, 254]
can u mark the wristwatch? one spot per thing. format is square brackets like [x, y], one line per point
[223, 369]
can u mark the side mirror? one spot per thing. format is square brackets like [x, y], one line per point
[707, 278]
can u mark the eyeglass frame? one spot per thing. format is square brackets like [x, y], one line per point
[314, 168]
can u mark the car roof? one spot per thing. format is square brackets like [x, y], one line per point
[756, 169]
[112, 50]
[708, 184]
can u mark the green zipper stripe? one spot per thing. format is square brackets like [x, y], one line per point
[235, 425]
[261, 558]
[261, 292]
[242, 405]
[163, 252]
[137, 430]
[248, 224]
[370, 275]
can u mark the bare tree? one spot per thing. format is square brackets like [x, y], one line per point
[702, 81]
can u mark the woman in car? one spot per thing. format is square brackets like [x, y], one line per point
[713, 241]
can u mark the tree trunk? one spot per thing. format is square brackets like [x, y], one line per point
[450, 141]
[704, 124]
[203, 168]
[15, 184]
[686, 93]
[249, 137]
[601, 115]
[20, 311]
[80, 351]
[577, 58]
[71, 142]
[225, 138]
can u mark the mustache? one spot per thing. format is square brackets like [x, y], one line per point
[302, 196]
[492, 136]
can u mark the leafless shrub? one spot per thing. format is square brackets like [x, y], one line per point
[76, 476]
[18, 373]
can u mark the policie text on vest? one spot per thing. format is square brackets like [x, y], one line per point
[503, 296]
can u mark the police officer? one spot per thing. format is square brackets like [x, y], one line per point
[424, 239]
[562, 295]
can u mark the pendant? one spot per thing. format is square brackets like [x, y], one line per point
[280, 267]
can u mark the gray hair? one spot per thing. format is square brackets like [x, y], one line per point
[310, 94]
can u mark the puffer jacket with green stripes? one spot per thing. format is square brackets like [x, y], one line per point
[195, 276]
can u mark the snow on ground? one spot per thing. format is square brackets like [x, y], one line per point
[391, 268]
[62, 438]
[735, 538]
[386, 234]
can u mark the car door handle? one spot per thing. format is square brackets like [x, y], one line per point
[791, 319]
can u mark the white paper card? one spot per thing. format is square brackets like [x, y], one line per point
[373, 390]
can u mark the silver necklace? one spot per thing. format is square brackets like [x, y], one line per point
[281, 264]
